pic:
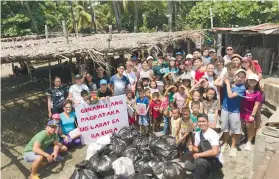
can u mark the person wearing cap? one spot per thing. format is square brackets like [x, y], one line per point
[212, 54]
[56, 97]
[188, 72]
[145, 71]
[104, 91]
[160, 68]
[230, 113]
[229, 52]
[75, 89]
[189, 57]
[100, 75]
[178, 56]
[150, 62]
[255, 63]
[236, 59]
[249, 107]
[118, 82]
[131, 76]
[43, 148]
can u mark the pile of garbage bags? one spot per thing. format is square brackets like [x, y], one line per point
[130, 155]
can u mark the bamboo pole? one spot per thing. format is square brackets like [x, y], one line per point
[49, 73]
[65, 31]
[46, 33]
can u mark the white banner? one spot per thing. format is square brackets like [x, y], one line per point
[103, 118]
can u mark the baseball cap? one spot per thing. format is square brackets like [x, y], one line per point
[55, 116]
[52, 123]
[240, 70]
[236, 56]
[178, 53]
[149, 58]
[78, 77]
[172, 58]
[253, 77]
[133, 58]
[212, 50]
[103, 82]
[189, 56]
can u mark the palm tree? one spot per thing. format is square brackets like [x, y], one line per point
[34, 23]
[81, 17]
[117, 12]
[136, 15]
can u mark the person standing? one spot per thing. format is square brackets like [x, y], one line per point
[228, 58]
[75, 90]
[118, 82]
[160, 68]
[131, 76]
[89, 82]
[100, 75]
[255, 63]
[43, 146]
[56, 97]
[207, 157]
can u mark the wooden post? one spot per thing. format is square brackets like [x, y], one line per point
[65, 31]
[156, 28]
[108, 62]
[71, 70]
[211, 18]
[170, 22]
[49, 73]
[219, 44]
[76, 30]
[29, 71]
[46, 33]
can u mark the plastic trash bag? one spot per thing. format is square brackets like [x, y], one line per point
[138, 176]
[163, 147]
[117, 144]
[94, 147]
[113, 177]
[83, 171]
[102, 164]
[131, 152]
[169, 170]
[142, 141]
[128, 134]
[123, 167]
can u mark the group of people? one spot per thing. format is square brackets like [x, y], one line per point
[197, 98]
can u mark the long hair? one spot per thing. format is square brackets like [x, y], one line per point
[256, 88]
[251, 66]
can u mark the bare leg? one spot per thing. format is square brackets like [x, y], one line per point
[36, 164]
[251, 131]
[235, 138]
[225, 137]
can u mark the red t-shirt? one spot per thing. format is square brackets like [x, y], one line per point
[155, 108]
[198, 75]
[257, 66]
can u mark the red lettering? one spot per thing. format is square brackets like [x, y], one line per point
[115, 121]
[93, 136]
[83, 129]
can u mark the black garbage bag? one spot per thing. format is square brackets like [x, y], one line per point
[142, 141]
[83, 171]
[169, 170]
[117, 145]
[132, 152]
[102, 164]
[142, 166]
[164, 147]
[128, 134]
[113, 177]
[138, 176]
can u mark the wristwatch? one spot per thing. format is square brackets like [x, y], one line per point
[253, 115]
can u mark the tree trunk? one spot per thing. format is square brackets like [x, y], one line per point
[115, 9]
[73, 16]
[173, 14]
[136, 15]
[93, 15]
[34, 23]
[119, 14]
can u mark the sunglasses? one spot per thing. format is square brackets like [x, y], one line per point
[248, 55]
[229, 49]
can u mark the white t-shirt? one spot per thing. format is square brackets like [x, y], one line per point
[221, 73]
[76, 89]
[213, 139]
[132, 78]
[227, 59]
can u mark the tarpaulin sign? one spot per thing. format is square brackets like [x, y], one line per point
[103, 118]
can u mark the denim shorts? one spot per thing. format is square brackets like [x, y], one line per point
[32, 156]
[143, 121]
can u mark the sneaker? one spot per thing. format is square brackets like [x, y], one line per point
[233, 152]
[248, 146]
[225, 147]
[34, 176]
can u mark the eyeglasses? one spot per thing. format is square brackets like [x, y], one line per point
[229, 49]
[248, 55]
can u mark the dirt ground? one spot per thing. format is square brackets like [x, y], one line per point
[24, 113]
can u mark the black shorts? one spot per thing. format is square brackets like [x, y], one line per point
[181, 147]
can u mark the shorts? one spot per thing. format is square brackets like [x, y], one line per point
[143, 121]
[32, 156]
[230, 122]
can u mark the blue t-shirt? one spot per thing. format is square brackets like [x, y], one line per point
[233, 104]
[119, 84]
[67, 124]
[143, 101]
[174, 70]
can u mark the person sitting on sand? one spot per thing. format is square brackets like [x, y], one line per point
[44, 148]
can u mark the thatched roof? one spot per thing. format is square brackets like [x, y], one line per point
[40, 49]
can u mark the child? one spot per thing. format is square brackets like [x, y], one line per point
[62, 138]
[194, 115]
[153, 87]
[169, 79]
[165, 111]
[211, 108]
[147, 93]
[104, 91]
[249, 107]
[199, 69]
[196, 96]
[145, 83]
[131, 107]
[187, 83]
[230, 118]
[85, 96]
[184, 131]
[155, 111]
[181, 97]
[139, 86]
[170, 93]
[143, 119]
[175, 121]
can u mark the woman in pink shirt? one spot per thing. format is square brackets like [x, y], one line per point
[249, 107]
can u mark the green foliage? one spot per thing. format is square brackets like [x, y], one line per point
[22, 18]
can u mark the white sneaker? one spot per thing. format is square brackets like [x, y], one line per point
[248, 146]
[233, 152]
[225, 147]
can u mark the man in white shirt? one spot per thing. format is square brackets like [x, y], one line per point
[228, 57]
[75, 90]
[207, 155]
